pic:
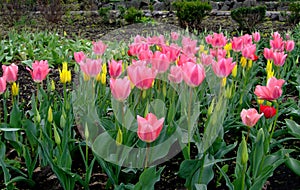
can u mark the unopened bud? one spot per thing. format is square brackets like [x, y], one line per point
[50, 115]
[56, 135]
[119, 139]
[244, 157]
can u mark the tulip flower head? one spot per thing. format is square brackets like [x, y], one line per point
[91, 67]
[193, 74]
[223, 67]
[289, 45]
[149, 127]
[279, 58]
[270, 92]
[256, 36]
[99, 47]
[2, 84]
[10, 72]
[175, 74]
[160, 62]
[40, 70]
[120, 88]
[250, 117]
[115, 68]
[268, 111]
[65, 74]
[79, 57]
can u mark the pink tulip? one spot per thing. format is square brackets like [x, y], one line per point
[174, 36]
[171, 51]
[10, 72]
[237, 44]
[247, 40]
[249, 52]
[160, 62]
[223, 67]
[141, 75]
[276, 35]
[279, 58]
[217, 40]
[206, 59]
[189, 46]
[40, 70]
[175, 74]
[158, 40]
[289, 45]
[277, 44]
[79, 56]
[184, 58]
[91, 67]
[139, 39]
[268, 54]
[270, 92]
[149, 128]
[218, 53]
[99, 47]
[115, 68]
[2, 84]
[120, 88]
[193, 74]
[256, 36]
[145, 55]
[250, 117]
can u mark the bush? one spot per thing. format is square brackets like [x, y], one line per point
[191, 13]
[104, 13]
[294, 8]
[249, 17]
[133, 15]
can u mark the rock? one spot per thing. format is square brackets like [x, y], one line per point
[159, 6]
[249, 3]
[236, 5]
[225, 8]
[214, 5]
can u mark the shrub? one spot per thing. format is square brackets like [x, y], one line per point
[249, 17]
[294, 8]
[104, 13]
[133, 15]
[191, 13]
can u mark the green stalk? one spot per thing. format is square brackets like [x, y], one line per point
[147, 155]
[189, 122]
[275, 121]
[5, 109]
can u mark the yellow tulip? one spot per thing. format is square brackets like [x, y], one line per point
[15, 89]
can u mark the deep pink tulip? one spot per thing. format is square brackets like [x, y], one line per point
[277, 44]
[249, 52]
[193, 74]
[289, 45]
[160, 62]
[115, 68]
[2, 84]
[250, 117]
[91, 67]
[139, 39]
[256, 36]
[174, 36]
[158, 40]
[120, 88]
[10, 72]
[223, 67]
[270, 92]
[206, 59]
[175, 74]
[276, 35]
[237, 44]
[279, 58]
[218, 53]
[79, 56]
[149, 127]
[40, 70]
[141, 75]
[268, 54]
[99, 47]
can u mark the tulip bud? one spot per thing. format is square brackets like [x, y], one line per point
[260, 135]
[164, 89]
[98, 77]
[211, 107]
[62, 121]
[260, 101]
[250, 63]
[50, 115]
[86, 132]
[234, 71]
[52, 85]
[103, 78]
[56, 135]
[228, 92]
[119, 139]
[144, 94]
[224, 81]
[37, 117]
[15, 89]
[243, 62]
[244, 157]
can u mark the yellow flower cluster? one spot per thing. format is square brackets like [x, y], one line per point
[269, 70]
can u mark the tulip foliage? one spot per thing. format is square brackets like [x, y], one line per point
[138, 105]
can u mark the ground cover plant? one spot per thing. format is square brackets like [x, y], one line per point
[228, 105]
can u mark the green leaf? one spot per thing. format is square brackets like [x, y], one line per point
[10, 129]
[15, 117]
[201, 187]
[188, 169]
[294, 165]
[148, 178]
[294, 128]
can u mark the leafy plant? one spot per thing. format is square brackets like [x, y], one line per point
[191, 13]
[294, 9]
[132, 15]
[249, 17]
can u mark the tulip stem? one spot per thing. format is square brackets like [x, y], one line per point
[5, 109]
[248, 133]
[147, 155]
[275, 121]
[189, 122]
